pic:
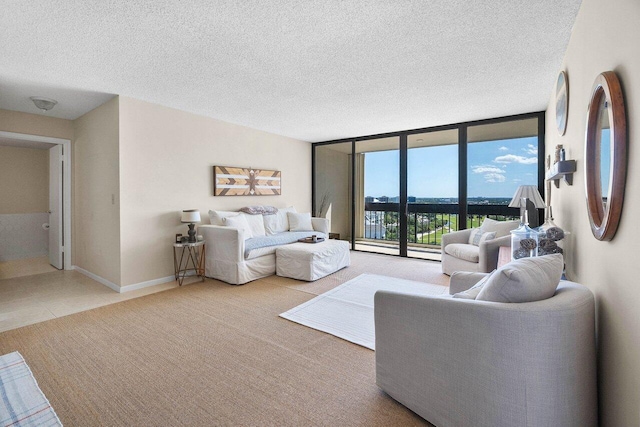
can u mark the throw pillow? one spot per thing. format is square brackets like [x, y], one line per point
[256, 224]
[477, 236]
[279, 222]
[240, 223]
[472, 292]
[216, 217]
[502, 228]
[524, 280]
[299, 221]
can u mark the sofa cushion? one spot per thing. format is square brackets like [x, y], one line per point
[278, 223]
[477, 236]
[239, 222]
[472, 293]
[463, 251]
[256, 224]
[524, 280]
[501, 228]
[216, 216]
[299, 221]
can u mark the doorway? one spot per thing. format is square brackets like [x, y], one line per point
[35, 213]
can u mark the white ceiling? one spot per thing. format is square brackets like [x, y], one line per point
[312, 70]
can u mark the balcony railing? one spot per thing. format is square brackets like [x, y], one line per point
[427, 222]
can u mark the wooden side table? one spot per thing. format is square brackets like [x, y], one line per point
[189, 253]
[335, 236]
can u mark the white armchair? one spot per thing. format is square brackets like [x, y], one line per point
[459, 255]
[461, 362]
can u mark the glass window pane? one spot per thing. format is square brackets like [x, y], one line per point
[501, 157]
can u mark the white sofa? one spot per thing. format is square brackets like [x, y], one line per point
[232, 258]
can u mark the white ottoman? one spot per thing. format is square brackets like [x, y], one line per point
[312, 261]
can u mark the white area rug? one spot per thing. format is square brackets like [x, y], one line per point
[22, 403]
[347, 311]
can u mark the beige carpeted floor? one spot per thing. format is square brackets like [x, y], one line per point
[213, 354]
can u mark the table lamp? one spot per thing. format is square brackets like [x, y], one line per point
[191, 216]
[533, 201]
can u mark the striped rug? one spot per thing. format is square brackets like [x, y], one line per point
[22, 403]
[347, 311]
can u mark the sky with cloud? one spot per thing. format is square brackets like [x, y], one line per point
[495, 169]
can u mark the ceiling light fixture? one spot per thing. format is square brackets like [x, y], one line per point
[45, 104]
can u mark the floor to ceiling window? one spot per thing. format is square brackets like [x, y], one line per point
[398, 193]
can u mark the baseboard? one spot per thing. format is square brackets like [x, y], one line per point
[136, 286]
[128, 288]
[97, 278]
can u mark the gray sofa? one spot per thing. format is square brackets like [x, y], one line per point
[458, 362]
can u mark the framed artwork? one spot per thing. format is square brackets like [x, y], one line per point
[562, 102]
[235, 181]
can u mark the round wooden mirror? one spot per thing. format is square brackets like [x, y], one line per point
[605, 163]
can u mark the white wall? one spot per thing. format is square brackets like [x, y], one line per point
[96, 201]
[605, 37]
[166, 165]
[333, 180]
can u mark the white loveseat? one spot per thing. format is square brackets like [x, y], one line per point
[236, 259]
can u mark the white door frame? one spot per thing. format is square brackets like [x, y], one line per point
[66, 186]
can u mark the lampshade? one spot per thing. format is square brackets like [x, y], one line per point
[190, 215]
[530, 192]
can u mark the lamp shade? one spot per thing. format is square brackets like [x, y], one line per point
[190, 215]
[530, 192]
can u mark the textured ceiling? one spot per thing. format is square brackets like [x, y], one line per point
[312, 70]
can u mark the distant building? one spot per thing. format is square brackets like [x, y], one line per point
[368, 199]
[373, 226]
[383, 199]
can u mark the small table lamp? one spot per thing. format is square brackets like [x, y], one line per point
[533, 201]
[191, 216]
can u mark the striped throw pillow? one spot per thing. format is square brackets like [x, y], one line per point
[477, 236]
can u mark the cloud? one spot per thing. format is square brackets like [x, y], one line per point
[512, 158]
[516, 180]
[503, 148]
[486, 169]
[494, 177]
[531, 149]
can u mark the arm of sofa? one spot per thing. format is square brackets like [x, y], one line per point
[488, 260]
[461, 236]
[321, 225]
[490, 356]
[223, 243]
[463, 280]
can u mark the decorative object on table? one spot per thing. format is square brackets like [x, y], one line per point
[562, 102]
[334, 236]
[312, 239]
[234, 181]
[533, 201]
[22, 403]
[550, 235]
[190, 261]
[191, 216]
[605, 165]
[524, 239]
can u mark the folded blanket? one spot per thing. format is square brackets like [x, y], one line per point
[259, 210]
